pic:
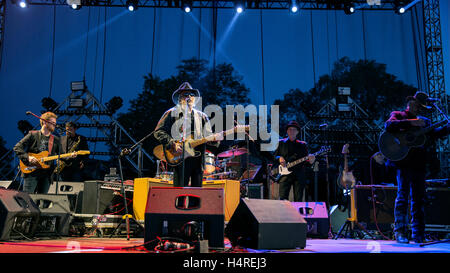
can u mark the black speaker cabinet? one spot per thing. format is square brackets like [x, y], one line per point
[382, 198]
[437, 206]
[19, 215]
[73, 190]
[266, 224]
[316, 216]
[185, 213]
[55, 214]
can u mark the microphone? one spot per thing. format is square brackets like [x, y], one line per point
[28, 113]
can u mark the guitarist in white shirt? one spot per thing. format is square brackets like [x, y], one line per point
[290, 149]
[411, 169]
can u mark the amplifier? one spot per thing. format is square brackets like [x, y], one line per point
[103, 197]
[73, 190]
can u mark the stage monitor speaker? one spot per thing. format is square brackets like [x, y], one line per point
[73, 190]
[437, 206]
[19, 215]
[338, 216]
[174, 211]
[55, 216]
[5, 184]
[316, 216]
[266, 224]
[382, 198]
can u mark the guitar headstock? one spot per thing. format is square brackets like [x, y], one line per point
[324, 150]
[345, 148]
[83, 152]
[242, 128]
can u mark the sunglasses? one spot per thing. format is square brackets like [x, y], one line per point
[188, 94]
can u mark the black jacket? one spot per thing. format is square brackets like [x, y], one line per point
[291, 151]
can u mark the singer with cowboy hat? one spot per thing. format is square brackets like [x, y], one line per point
[173, 126]
[411, 169]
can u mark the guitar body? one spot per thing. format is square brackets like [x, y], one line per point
[173, 157]
[43, 157]
[347, 179]
[32, 167]
[395, 146]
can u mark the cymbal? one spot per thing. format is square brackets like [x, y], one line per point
[233, 152]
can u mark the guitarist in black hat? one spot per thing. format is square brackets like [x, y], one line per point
[290, 149]
[411, 169]
[170, 128]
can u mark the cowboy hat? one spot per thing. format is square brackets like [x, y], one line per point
[184, 87]
[293, 123]
[421, 98]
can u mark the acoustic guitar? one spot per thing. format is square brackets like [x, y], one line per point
[43, 158]
[396, 146]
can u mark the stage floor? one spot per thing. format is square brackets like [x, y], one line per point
[135, 245]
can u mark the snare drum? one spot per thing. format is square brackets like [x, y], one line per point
[210, 163]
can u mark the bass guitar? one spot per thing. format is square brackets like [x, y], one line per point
[43, 158]
[396, 146]
[173, 158]
[281, 170]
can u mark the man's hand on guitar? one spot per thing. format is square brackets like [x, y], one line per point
[311, 159]
[178, 147]
[73, 155]
[282, 161]
[33, 160]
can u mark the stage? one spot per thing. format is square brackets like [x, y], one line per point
[135, 245]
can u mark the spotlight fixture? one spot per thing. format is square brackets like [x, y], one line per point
[49, 104]
[186, 6]
[23, 3]
[114, 104]
[78, 86]
[293, 6]
[349, 9]
[239, 6]
[132, 5]
[74, 4]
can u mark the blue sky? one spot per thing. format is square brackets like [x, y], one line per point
[288, 43]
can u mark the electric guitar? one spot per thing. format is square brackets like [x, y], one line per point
[173, 158]
[346, 178]
[281, 170]
[42, 158]
[396, 146]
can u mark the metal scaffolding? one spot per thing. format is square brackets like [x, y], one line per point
[435, 75]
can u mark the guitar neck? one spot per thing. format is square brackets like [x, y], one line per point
[303, 159]
[345, 163]
[201, 141]
[54, 157]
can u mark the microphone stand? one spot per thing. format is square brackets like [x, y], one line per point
[127, 216]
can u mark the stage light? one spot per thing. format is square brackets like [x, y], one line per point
[49, 104]
[23, 3]
[349, 9]
[239, 6]
[186, 6]
[294, 7]
[132, 5]
[74, 4]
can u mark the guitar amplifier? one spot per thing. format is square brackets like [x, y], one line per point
[102, 197]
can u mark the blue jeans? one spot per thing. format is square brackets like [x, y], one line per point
[411, 183]
[37, 182]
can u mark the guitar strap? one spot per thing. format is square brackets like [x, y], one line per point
[50, 144]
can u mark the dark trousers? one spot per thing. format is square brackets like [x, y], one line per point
[37, 182]
[411, 183]
[72, 175]
[295, 180]
[192, 170]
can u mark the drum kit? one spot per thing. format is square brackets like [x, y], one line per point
[222, 166]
